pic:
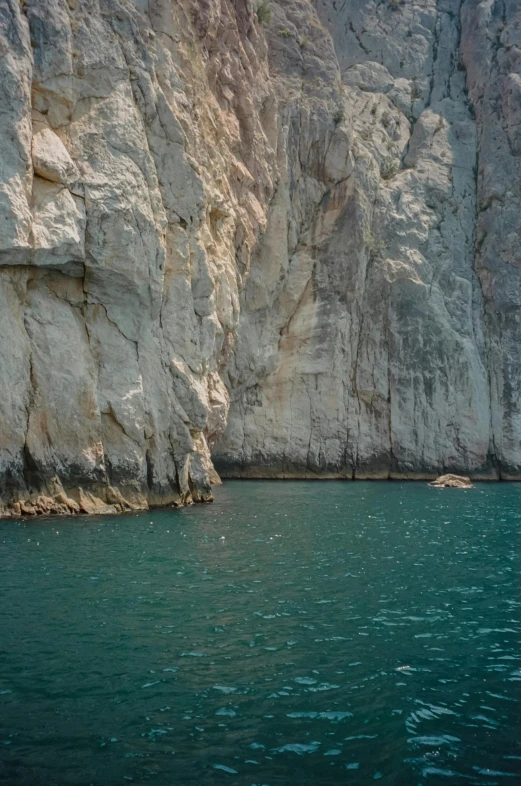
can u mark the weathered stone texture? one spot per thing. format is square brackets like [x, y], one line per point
[383, 340]
[291, 244]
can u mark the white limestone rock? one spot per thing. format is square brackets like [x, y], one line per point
[452, 482]
[15, 133]
[292, 246]
[51, 159]
[383, 369]
[58, 225]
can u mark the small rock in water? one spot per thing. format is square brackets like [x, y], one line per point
[452, 482]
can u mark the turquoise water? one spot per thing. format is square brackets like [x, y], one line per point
[291, 633]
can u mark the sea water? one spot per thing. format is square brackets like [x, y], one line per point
[290, 633]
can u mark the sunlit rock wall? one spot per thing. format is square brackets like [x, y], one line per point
[288, 239]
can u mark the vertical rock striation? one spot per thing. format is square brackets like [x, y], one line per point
[132, 155]
[387, 343]
[289, 240]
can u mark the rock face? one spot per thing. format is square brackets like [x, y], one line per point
[380, 324]
[289, 240]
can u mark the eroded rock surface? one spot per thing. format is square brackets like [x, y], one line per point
[383, 340]
[451, 482]
[291, 244]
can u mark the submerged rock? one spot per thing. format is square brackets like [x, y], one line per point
[452, 482]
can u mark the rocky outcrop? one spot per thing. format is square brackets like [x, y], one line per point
[452, 482]
[122, 193]
[288, 239]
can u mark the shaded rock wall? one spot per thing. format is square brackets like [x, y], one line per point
[397, 355]
[293, 244]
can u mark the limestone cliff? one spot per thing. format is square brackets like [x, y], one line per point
[286, 234]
